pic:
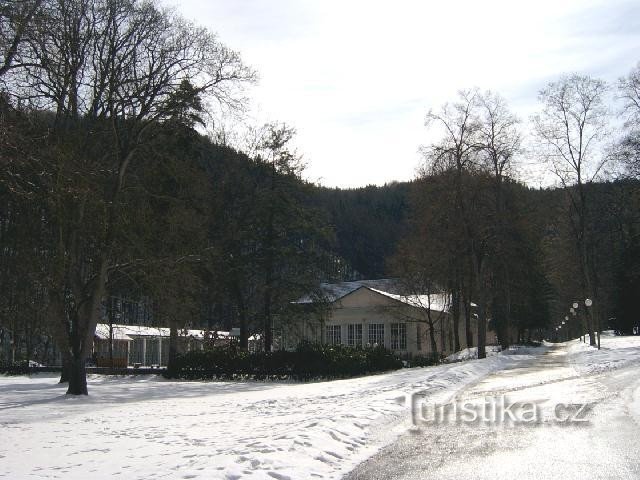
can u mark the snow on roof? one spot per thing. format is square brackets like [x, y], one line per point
[102, 332]
[126, 332]
[335, 291]
[435, 302]
[387, 286]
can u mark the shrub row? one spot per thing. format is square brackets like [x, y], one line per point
[307, 362]
[424, 360]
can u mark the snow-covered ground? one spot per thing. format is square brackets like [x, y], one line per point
[472, 353]
[604, 385]
[615, 352]
[150, 428]
[145, 427]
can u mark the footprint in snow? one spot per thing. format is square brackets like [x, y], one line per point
[278, 476]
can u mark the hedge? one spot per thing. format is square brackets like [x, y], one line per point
[309, 361]
[424, 360]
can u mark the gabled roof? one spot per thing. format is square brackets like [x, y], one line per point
[335, 291]
[437, 302]
[388, 287]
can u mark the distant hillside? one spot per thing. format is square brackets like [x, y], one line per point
[368, 223]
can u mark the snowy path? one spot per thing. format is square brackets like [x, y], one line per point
[140, 428]
[604, 448]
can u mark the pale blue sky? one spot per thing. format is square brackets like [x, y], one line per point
[356, 77]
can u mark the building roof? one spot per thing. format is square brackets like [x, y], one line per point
[127, 332]
[330, 292]
[438, 302]
[389, 287]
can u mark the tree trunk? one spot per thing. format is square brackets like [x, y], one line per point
[582, 240]
[242, 317]
[244, 330]
[432, 338]
[482, 319]
[268, 330]
[506, 340]
[455, 311]
[110, 342]
[467, 323]
[268, 327]
[482, 330]
[173, 346]
[77, 375]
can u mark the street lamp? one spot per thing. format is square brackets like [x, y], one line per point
[574, 312]
[587, 303]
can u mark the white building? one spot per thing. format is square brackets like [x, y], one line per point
[375, 312]
[135, 345]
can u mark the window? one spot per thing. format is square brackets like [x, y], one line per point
[376, 334]
[354, 335]
[398, 336]
[136, 355]
[164, 357]
[152, 352]
[418, 337]
[333, 335]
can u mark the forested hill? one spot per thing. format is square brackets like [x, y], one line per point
[368, 223]
[373, 224]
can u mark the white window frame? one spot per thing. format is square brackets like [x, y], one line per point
[398, 336]
[376, 334]
[354, 334]
[333, 334]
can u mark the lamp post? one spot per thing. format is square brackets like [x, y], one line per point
[588, 303]
[560, 332]
[573, 315]
[574, 311]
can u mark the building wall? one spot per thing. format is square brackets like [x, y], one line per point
[365, 307]
[145, 350]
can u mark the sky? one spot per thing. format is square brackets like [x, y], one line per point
[356, 78]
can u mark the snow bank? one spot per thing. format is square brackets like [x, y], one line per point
[151, 428]
[615, 352]
[492, 350]
[471, 353]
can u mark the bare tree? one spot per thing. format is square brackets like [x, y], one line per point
[421, 292]
[629, 92]
[110, 71]
[16, 29]
[572, 128]
[628, 150]
[499, 142]
[457, 151]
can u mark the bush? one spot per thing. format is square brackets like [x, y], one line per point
[308, 361]
[424, 360]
